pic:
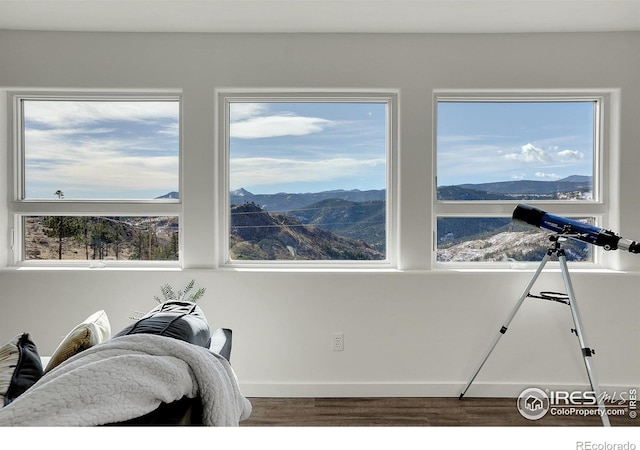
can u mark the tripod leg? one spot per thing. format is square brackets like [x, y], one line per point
[586, 351]
[503, 330]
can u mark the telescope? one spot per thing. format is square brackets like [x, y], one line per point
[528, 215]
[563, 227]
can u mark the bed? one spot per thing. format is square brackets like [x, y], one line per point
[166, 368]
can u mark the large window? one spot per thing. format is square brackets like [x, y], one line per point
[96, 178]
[308, 178]
[496, 151]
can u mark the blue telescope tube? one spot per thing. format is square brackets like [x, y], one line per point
[528, 215]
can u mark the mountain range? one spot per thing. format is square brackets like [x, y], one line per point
[575, 186]
[351, 224]
[337, 224]
[257, 234]
[283, 202]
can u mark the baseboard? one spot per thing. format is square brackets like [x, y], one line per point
[323, 390]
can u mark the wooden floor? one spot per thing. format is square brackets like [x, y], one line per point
[420, 412]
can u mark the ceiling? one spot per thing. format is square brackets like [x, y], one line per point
[393, 16]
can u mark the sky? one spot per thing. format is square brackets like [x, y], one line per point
[130, 150]
[299, 147]
[101, 149]
[480, 142]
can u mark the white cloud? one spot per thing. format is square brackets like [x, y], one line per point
[241, 111]
[267, 171]
[172, 130]
[117, 177]
[278, 125]
[68, 114]
[529, 153]
[257, 120]
[547, 176]
[465, 138]
[571, 155]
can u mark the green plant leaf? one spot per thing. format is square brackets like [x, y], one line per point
[169, 294]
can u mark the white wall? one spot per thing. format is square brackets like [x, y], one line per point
[416, 332]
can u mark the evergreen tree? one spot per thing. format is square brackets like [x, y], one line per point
[61, 227]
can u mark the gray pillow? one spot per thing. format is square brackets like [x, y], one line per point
[179, 320]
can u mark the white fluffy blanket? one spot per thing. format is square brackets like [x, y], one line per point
[127, 377]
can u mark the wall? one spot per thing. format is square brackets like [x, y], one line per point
[412, 332]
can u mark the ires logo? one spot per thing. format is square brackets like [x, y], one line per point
[534, 403]
[575, 398]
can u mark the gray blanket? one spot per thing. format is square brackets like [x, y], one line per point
[127, 377]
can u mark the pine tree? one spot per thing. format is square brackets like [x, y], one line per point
[61, 227]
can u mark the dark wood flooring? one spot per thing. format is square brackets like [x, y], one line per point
[421, 412]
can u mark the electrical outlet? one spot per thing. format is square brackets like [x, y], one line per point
[337, 342]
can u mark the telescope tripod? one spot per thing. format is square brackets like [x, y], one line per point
[568, 299]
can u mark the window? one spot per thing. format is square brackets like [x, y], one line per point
[496, 151]
[308, 178]
[96, 177]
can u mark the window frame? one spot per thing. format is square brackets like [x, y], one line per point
[224, 97]
[599, 208]
[20, 207]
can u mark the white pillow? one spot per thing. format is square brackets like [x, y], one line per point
[92, 331]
